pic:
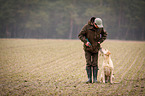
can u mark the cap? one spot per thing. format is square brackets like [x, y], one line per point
[98, 21]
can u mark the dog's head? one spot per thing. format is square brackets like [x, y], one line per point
[105, 52]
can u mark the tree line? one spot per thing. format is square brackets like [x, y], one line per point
[122, 19]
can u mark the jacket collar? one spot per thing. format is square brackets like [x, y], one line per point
[92, 28]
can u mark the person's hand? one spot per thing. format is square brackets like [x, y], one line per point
[88, 44]
[99, 44]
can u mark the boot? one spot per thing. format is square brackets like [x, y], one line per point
[89, 73]
[95, 73]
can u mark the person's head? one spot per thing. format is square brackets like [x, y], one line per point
[98, 23]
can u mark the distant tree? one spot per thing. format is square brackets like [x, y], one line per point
[123, 19]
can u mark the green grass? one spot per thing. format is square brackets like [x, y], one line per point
[57, 67]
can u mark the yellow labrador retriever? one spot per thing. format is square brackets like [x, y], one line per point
[107, 67]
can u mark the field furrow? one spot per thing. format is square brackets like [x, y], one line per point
[130, 65]
[129, 76]
[57, 68]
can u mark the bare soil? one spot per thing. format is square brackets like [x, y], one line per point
[57, 68]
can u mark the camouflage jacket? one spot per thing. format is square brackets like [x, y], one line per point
[94, 35]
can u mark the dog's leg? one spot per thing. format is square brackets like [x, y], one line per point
[111, 76]
[103, 77]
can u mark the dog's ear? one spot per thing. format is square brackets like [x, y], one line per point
[108, 53]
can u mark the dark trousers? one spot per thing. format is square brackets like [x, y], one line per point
[91, 59]
[91, 66]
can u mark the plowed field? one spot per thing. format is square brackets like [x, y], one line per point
[57, 68]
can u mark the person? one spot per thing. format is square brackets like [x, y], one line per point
[92, 35]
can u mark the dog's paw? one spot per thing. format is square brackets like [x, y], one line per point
[111, 82]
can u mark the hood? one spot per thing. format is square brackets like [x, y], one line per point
[91, 21]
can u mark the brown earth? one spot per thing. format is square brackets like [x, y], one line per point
[57, 68]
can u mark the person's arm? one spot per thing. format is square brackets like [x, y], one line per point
[103, 36]
[82, 34]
